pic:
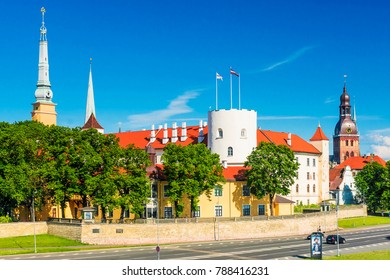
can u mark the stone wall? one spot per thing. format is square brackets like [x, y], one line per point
[22, 229]
[71, 231]
[181, 231]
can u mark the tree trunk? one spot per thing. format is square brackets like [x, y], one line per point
[271, 204]
[63, 205]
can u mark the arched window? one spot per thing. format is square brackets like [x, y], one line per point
[220, 133]
[230, 151]
[243, 133]
[351, 142]
[346, 142]
[308, 188]
[297, 188]
[347, 154]
[314, 188]
[352, 154]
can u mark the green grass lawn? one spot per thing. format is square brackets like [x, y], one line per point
[45, 243]
[375, 255]
[363, 221]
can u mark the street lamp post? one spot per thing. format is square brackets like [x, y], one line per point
[337, 221]
[33, 218]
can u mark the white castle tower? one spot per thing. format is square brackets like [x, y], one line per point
[232, 134]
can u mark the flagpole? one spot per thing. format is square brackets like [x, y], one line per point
[231, 97]
[239, 92]
[216, 92]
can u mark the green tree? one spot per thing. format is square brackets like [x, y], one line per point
[132, 182]
[272, 170]
[190, 171]
[372, 184]
[25, 164]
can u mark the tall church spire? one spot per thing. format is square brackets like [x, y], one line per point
[346, 135]
[90, 96]
[44, 108]
[90, 114]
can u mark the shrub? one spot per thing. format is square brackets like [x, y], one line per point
[5, 219]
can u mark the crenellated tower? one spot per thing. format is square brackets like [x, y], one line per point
[43, 107]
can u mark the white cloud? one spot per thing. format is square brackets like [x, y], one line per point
[289, 59]
[271, 118]
[330, 100]
[176, 107]
[380, 142]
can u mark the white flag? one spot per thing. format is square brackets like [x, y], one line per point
[219, 77]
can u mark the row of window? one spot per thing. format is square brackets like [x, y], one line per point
[347, 142]
[220, 133]
[307, 188]
[308, 176]
[218, 211]
[308, 161]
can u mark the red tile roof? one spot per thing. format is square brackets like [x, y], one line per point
[357, 163]
[319, 135]
[141, 139]
[234, 173]
[92, 123]
[280, 138]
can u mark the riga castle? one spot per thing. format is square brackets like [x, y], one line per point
[230, 133]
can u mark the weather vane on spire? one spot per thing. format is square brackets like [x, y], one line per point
[43, 28]
[345, 79]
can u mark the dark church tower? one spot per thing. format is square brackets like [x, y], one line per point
[346, 136]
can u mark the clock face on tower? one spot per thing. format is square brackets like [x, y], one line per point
[348, 130]
[48, 94]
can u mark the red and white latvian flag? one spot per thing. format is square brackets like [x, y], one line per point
[219, 77]
[232, 72]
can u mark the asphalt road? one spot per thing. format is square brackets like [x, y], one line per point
[287, 248]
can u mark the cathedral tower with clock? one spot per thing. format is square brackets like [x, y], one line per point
[43, 107]
[346, 135]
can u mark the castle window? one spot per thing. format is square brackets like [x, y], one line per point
[230, 152]
[352, 143]
[220, 133]
[352, 154]
[314, 188]
[246, 210]
[314, 175]
[346, 142]
[218, 191]
[308, 175]
[261, 209]
[308, 188]
[218, 210]
[297, 188]
[243, 133]
[314, 162]
[308, 162]
[246, 191]
[347, 154]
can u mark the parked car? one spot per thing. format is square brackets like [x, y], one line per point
[332, 239]
[317, 233]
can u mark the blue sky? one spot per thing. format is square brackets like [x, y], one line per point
[154, 62]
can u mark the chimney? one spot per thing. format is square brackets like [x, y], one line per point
[204, 124]
[174, 133]
[183, 132]
[152, 135]
[165, 134]
[200, 136]
[289, 139]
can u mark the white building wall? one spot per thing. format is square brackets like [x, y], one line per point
[235, 129]
[308, 180]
